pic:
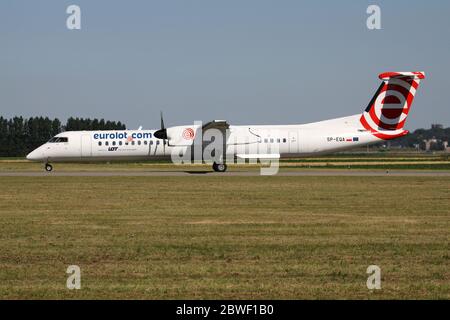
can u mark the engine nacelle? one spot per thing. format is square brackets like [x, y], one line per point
[182, 135]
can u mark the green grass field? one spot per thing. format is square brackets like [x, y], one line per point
[203, 237]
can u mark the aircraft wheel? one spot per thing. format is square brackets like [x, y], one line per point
[48, 167]
[219, 167]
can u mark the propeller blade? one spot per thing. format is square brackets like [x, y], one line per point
[162, 120]
[162, 133]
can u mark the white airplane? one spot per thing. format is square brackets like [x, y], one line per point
[383, 119]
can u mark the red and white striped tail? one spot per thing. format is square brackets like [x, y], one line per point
[386, 113]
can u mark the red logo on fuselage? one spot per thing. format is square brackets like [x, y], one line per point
[188, 134]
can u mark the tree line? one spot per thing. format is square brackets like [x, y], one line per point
[19, 136]
[437, 134]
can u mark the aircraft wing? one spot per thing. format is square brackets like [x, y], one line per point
[216, 124]
[266, 156]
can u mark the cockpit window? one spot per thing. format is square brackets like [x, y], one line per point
[58, 139]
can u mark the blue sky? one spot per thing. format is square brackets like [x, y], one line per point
[249, 62]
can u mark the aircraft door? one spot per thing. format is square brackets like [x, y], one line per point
[293, 141]
[152, 148]
[86, 146]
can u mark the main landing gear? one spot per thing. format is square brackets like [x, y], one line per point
[219, 167]
[48, 167]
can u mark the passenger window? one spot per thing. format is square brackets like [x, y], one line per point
[266, 140]
[157, 141]
[139, 142]
[120, 143]
[278, 140]
[106, 143]
[132, 143]
[113, 143]
[145, 142]
[284, 140]
[271, 140]
[100, 143]
[151, 142]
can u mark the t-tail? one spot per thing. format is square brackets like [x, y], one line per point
[386, 113]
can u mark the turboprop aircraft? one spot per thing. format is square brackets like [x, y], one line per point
[217, 142]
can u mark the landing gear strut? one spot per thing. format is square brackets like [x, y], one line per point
[219, 167]
[48, 167]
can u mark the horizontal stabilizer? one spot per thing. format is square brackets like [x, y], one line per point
[402, 75]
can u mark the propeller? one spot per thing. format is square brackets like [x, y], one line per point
[162, 133]
[162, 120]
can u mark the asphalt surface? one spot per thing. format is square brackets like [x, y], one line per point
[284, 173]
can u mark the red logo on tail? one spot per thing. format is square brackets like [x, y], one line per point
[386, 114]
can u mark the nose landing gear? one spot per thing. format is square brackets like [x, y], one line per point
[48, 167]
[219, 167]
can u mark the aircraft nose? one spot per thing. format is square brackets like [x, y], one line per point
[31, 155]
[34, 156]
